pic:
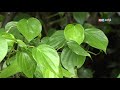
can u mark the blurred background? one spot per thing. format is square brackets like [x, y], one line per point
[103, 65]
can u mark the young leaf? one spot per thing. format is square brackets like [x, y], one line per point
[47, 57]
[76, 48]
[69, 60]
[10, 40]
[57, 40]
[74, 32]
[3, 48]
[26, 63]
[29, 28]
[96, 38]
[10, 70]
[80, 17]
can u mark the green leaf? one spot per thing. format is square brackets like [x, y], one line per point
[21, 43]
[10, 70]
[96, 38]
[66, 73]
[14, 31]
[47, 56]
[70, 60]
[48, 74]
[26, 63]
[51, 31]
[10, 40]
[74, 32]
[43, 72]
[38, 72]
[2, 31]
[118, 76]
[3, 48]
[45, 40]
[57, 40]
[8, 36]
[29, 28]
[10, 25]
[76, 48]
[80, 17]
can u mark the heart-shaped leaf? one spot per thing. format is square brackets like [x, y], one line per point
[29, 28]
[47, 56]
[74, 32]
[96, 38]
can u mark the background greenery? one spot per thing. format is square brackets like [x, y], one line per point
[102, 65]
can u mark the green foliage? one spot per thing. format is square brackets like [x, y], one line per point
[26, 63]
[96, 38]
[3, 48]
[32, 54]
[30, 28]
[80, 17]
[74, 32]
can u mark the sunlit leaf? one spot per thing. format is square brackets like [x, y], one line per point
[3, 48]
[29, 28]
[47, 56]
[96, 38]
[26, 63]
[70, 60]
[74, 32]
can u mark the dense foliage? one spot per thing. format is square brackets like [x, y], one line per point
[50, 45]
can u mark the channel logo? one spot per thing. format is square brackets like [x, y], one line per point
[104, 20]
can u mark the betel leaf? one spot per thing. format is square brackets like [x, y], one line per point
[57, 40]
[70, 60]
[43, 72]
[76, 48]
[26, 63]
[49, 74]
[74, 32]
[21, 43]
[38, 72]
[65, 73]
[45, 40]
[47, 56]
[10, 70]
[10, 25]
[29, 28]
[80, 17]
[96, 38]
[3, 48]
